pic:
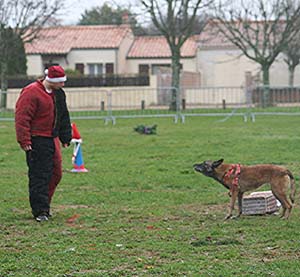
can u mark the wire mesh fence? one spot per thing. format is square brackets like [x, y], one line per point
[87, 103]
[214, 101]
[147, 102]
[7, 105]
[111, 104]
[275, 101]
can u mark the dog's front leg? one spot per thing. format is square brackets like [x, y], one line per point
[234, 194]
[240, 202]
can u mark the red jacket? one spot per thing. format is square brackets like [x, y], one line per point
[35, 113]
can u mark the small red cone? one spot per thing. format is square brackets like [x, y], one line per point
[77, 159]
[75, 132]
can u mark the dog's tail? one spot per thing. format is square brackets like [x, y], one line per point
[293, 186]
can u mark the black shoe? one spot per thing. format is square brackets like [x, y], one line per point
[41, 218]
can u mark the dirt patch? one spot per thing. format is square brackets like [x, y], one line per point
[65, 207]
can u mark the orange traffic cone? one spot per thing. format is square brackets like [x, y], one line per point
[77, 160]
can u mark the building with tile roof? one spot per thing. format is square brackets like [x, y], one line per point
[107, 49]
[223, 64]
[103, 49]
[92, 50]
[150, 54]
[157, 47]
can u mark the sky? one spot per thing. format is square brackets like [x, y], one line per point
[74, 8]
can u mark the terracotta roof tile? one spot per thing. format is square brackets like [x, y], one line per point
[212, 38]
[157, 47]
[60, 40]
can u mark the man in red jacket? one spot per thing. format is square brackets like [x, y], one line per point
[42, 122]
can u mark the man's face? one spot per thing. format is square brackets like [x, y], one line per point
[56, 86]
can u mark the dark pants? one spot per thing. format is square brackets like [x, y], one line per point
[40, 170]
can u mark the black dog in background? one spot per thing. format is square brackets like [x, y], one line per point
[146, 130]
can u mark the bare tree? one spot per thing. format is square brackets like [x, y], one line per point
[292, 57]
[175, 21]
[259, 28]
[25, 18]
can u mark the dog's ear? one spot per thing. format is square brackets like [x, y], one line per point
[217, 163]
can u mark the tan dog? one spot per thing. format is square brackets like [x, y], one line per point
[239, 179]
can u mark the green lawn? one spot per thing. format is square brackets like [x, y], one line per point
[143, 211]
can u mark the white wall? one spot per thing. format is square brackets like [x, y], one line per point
[121, 66]
[90, 98]
[34, 65]
[86, 56]
[279, 73]
[223, 67]
[189, 64]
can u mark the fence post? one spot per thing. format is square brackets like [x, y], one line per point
[224, 104]
[109, 107]
[143, 104]
[102, 106]
[183, 103]
[178, 106]
[249, 90]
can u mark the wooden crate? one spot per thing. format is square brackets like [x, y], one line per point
[262, 202]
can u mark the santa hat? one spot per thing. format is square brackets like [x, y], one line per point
[55, 74]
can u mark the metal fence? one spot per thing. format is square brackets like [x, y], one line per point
[214, 101]
[111, 104]
[274, 101]
[95, 103]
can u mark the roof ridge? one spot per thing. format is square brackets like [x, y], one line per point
[122, 26]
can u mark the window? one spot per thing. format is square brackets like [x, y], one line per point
[79, 67]
[159, 68]
[95, 69]
[47, 65]
[109, 68]
[144, 69]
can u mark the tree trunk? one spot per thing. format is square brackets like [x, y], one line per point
[291, 75]
[3, 88]
[175, 78]
[266, 86]
[3, 69]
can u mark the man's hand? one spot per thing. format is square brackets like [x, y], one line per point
[65, 145]
[26, 148]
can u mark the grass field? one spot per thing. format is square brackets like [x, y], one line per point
[143, 211]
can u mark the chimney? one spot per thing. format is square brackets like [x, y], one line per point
[125, 18]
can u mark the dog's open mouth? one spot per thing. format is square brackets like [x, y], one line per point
[198, 167]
